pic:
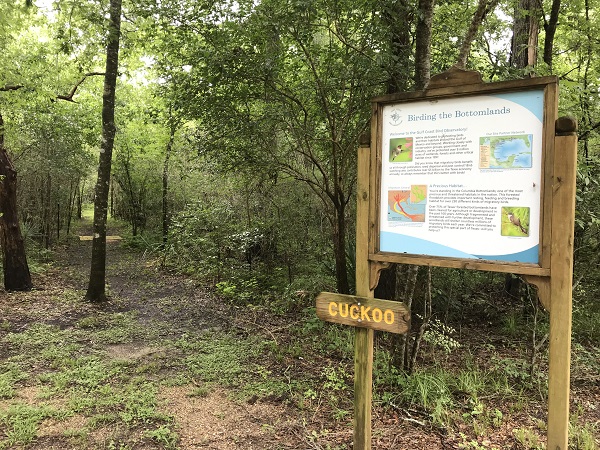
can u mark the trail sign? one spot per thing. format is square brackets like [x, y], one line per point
[384, 315]
[459, 175]
[483, 191]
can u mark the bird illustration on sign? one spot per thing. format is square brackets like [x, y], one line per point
[401, 149]
[515, 221]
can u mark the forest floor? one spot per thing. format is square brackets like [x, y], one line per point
[167, 364]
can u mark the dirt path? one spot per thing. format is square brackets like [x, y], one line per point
[213, 420]
[183, 307]
[168, 334]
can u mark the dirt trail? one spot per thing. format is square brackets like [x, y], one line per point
[176, 307]
[181, 307]
[213, 421]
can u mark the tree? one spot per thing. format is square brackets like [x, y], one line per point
[550, 27]
[483, 9]
[96, 286]
[524, 44]
[286, 86]
[46, 141]
[14, 262]
[423, 44]
[397, 18]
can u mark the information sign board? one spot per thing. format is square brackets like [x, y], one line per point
[463, 177]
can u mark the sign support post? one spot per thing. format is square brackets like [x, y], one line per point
[363, 340]
[561, 285]
[556, 291]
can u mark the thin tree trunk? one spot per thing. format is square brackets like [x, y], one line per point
[483, 9]
[339, 248]
[550, 29]
[47, 211]
[80, 192]
[71, 206]
[58, 222]
[165, 185]
[401, 357]
[397, 16]
[96, 287]
[423, 44]
[427, 313]
[586, 116]
[14, 259]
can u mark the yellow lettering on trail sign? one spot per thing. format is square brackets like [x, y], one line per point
[384, 315]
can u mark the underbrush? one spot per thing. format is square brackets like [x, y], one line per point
[480, 370]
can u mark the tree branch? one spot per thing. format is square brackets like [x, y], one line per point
[10, 87]
[586, 133]
[69, 96]
[483, 9]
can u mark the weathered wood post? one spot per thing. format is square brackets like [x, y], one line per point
[561, 282]
[363, 347]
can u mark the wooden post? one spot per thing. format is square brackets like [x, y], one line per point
[363, 345]
[561, 283]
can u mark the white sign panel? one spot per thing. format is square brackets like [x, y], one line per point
[462, 177]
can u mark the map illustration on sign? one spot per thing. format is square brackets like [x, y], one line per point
[401, 149]
[407, 205]
[505, 152]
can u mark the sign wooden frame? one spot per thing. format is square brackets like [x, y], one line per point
[552, 275]
[443, 87]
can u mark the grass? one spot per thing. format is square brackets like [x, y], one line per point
[69, 371]
[80, 378]
[115, 328]
[107, 392]
[8, 378]
[20, 421]
[222, 358]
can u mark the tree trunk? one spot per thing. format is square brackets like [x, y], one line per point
[96, 287]
[483, 9]
[165, 185]
[524, 43]
[339, 248]
[550, 29]
[14, 262]
[80, 193]
[423, 44]
[397, 16]
[400, 357]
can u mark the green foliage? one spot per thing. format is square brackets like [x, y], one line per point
[253, 119]
[585, 360]
[114, 328]
[51, 343]
[85, 373]
[165, 436]
[10, 375]
[336, 379]
[20, 423]
[439, 335]
[224, 359]
[586, 321]
[328, 338]
[583, 437]
[244, 294]
[528, 438]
